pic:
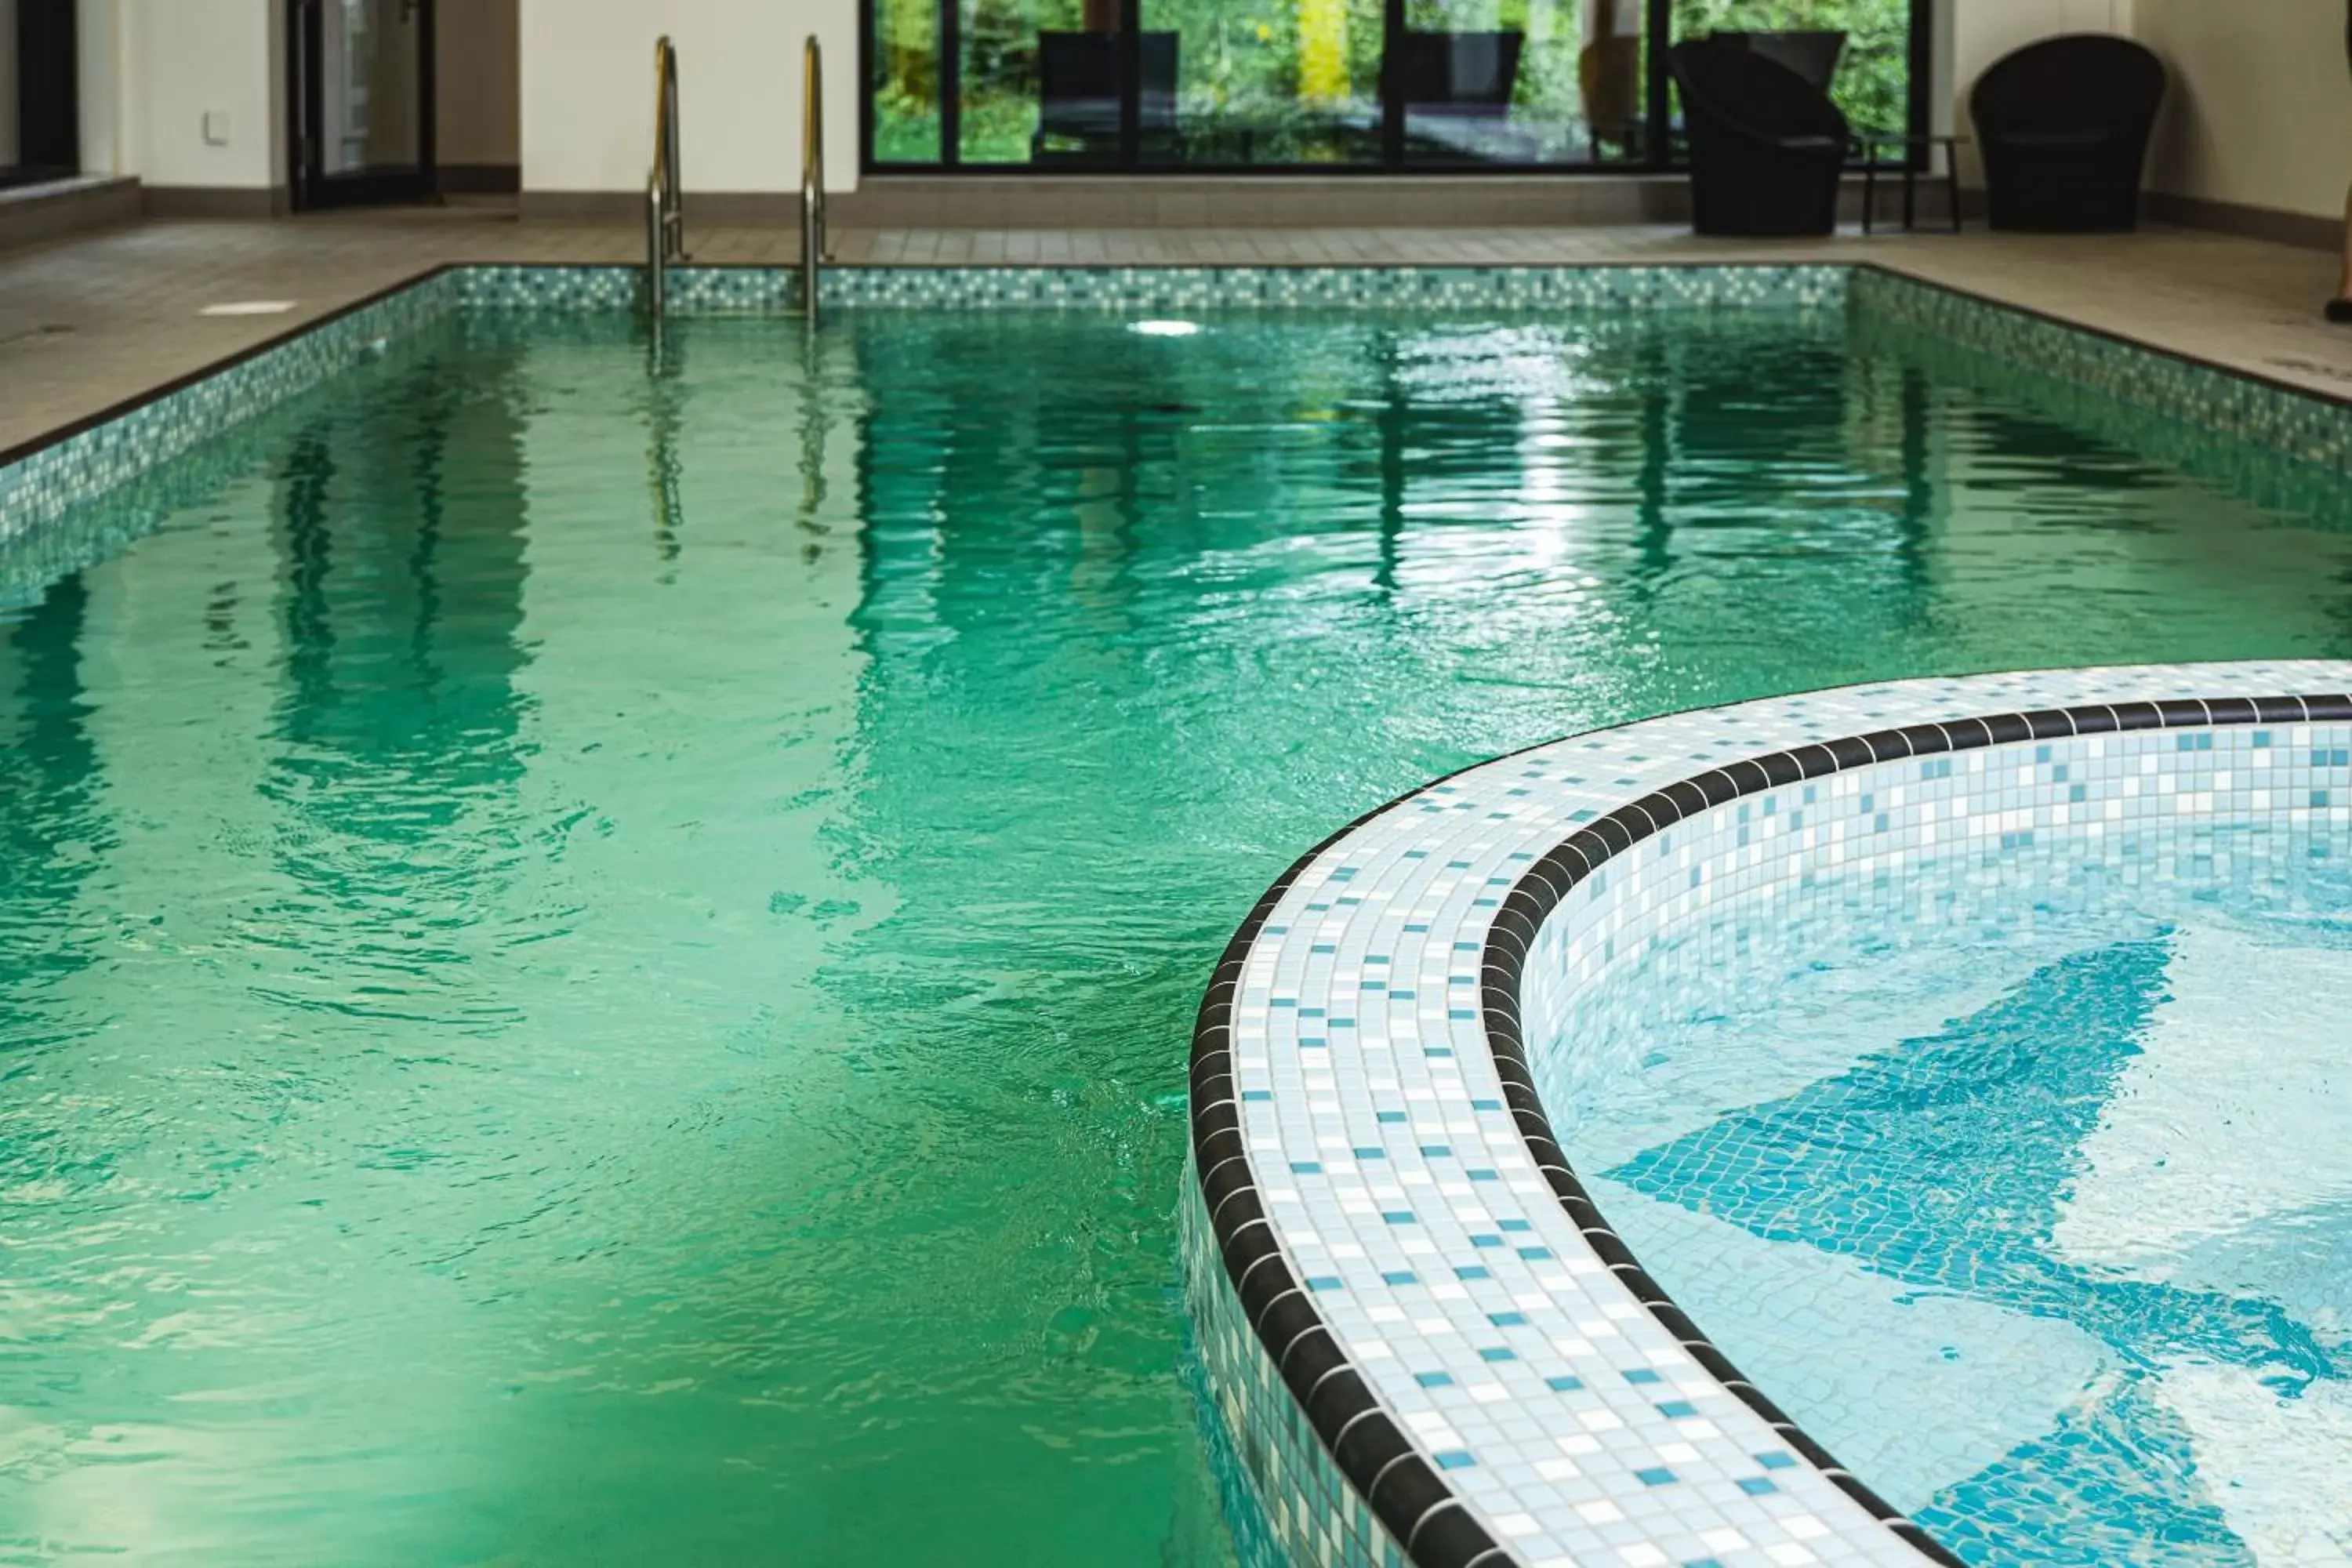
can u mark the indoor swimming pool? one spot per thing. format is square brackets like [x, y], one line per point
[598, 938]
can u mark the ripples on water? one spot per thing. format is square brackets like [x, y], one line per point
[595, 966]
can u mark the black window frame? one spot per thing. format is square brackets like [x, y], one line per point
[1660, 147]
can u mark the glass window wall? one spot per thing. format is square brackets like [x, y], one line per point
[1394, 85]
[1265, 83]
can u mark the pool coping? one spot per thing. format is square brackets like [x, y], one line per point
[1434, 1523]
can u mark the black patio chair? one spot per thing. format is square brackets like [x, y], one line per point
[1767, 147]
[1078, 91]
[1811, 55]
[2063, 125]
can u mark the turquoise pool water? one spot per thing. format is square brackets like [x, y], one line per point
[596, 951]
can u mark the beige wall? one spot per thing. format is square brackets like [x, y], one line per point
[2261, 107]
[94, 43]
[182, 59]
[588, 92]
[478, 61]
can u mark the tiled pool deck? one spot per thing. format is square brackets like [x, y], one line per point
[1415, 1261]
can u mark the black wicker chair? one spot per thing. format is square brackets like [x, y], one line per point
[2063, 127]
[1766, 146]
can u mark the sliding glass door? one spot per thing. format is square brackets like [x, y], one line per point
[361, 100]
[1338, 85]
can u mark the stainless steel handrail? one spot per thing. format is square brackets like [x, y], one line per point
[665, 192]
[811, 174]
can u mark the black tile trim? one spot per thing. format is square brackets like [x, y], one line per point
[1413, 1500]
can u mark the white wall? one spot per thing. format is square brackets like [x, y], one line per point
[588, 91]
[182, 57]
[2260, 106]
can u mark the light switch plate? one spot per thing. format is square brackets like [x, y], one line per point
[215, 127]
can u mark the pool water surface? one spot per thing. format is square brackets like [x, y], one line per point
[596, 947]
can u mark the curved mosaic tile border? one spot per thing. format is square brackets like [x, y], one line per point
[1417, 1294]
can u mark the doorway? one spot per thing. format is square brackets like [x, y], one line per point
[40, 129]
[362, 79]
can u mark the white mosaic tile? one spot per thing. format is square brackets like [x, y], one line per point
[1570, 1422]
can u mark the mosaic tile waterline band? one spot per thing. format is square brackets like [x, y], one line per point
[1491, 1371]
[75, 465]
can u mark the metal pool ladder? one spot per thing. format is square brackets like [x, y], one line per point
[665, 198]
[811, 174]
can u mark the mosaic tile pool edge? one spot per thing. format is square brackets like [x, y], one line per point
[1299, 1508]
[725, 289]
[2304, 424]
[1264, 1285]
[1238, 1279]
[41, 482]
[89, 463]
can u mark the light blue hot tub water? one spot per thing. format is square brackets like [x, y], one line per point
[2015, 1173]
[596, 965]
